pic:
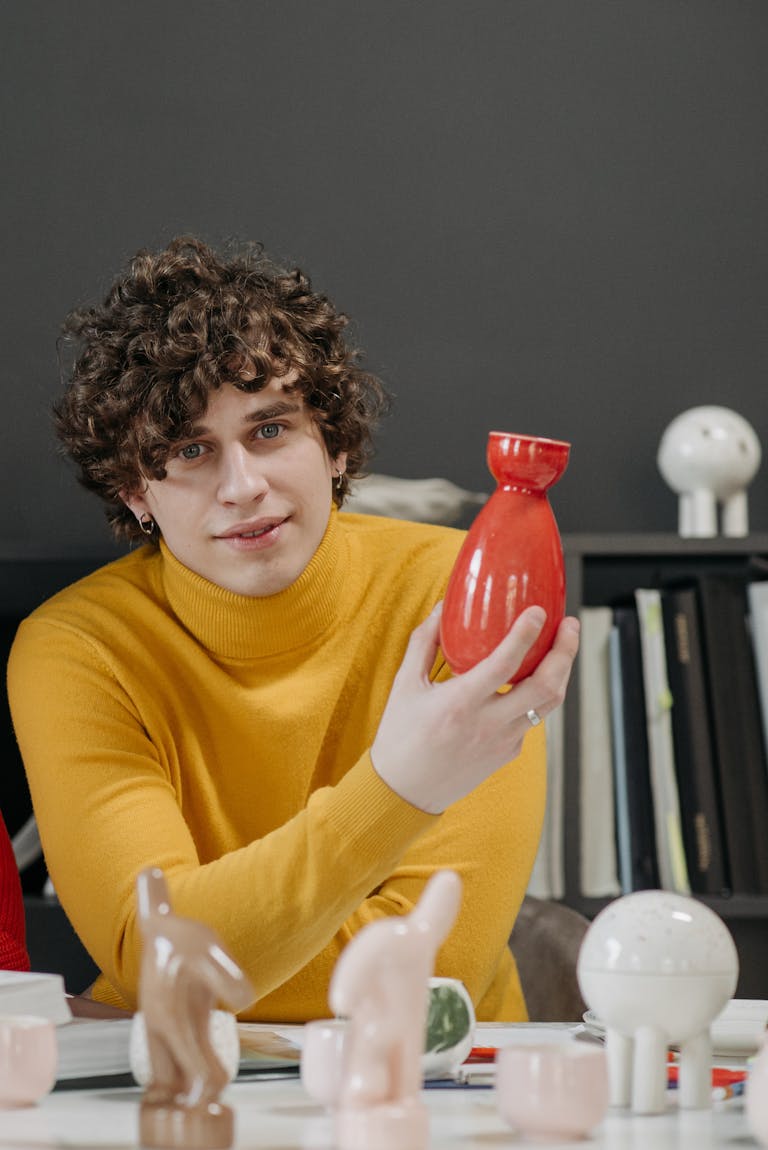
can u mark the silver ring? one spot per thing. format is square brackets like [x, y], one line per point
[533, 717]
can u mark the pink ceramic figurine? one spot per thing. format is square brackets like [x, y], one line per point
[380, 984]
[184, 971]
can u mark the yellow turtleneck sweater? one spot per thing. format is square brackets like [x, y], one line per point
[165, 721]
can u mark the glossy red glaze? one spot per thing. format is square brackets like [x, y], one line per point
[512, 557]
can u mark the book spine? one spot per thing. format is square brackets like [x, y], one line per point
[598, 830]
[645, 872]
[673, 869]
[692, 738]
[737, 730]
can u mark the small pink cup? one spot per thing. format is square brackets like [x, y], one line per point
[322, 1050]
[28, 1059]
[558, 1090]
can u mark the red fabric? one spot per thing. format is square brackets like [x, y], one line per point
[13, 950]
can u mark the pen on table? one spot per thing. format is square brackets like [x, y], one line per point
[481, 1054]
[732, 1090]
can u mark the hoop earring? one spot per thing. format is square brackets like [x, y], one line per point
[147, 524]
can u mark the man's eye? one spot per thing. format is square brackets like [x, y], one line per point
[191, 451]
[270, 430]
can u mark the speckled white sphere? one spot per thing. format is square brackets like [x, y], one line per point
[657, 957]
[223, 1033]
[709, 448]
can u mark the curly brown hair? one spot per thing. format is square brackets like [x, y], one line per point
[181, 322]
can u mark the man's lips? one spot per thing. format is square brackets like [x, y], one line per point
[253, 529]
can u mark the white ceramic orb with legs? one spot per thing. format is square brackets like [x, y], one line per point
[709, 455]
[656, 968]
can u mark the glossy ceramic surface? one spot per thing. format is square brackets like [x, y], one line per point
[657, 968]
[512, 557]
[28, 1059]
[558, 1091]
[757, 1096]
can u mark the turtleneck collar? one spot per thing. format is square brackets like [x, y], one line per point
[244, 627]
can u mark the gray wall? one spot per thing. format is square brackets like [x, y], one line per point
[545, 216]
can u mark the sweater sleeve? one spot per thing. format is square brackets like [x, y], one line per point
[490, 839]
[275, 902]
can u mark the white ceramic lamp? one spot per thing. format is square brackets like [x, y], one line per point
[656, 968]
[709, 455]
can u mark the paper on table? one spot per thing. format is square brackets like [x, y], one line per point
[90, 1048]
[28, 992]
[267, 1047]
[737, 1032]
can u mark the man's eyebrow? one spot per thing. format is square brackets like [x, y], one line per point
[260, 415]
[282, 407]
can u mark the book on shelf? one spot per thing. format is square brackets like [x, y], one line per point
[673, 868]
[692, 739]
[737, 732]
[757, 598]
[598, 874]
[636, 836]
[620, 780]
[548, 874]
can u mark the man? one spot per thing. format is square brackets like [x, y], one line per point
[255, 702]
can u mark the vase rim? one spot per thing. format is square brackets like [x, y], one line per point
[527, 438]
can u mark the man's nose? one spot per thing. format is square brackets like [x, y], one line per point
[241, 477]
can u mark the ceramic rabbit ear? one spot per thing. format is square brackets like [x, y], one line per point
[511, 559]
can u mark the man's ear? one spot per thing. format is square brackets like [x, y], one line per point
[339, 464]
[135, 502]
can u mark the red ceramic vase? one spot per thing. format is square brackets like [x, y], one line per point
[512, 557]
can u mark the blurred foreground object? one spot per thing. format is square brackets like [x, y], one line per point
[380, 984]
[185, 971]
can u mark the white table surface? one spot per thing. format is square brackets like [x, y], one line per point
[278, 1115]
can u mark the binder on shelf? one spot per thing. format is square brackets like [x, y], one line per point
[620, 781]
[630, 750]
[692, 739]
[673, 870]
[737, 729]
[598, 873]
[757, 598]
[548, 874]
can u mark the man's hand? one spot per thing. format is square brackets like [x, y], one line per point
[436, 742]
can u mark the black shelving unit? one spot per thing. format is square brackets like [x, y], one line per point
[601, 569]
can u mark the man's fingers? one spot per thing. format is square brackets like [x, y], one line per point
[422, 647]
[499, 667]
[544, 690]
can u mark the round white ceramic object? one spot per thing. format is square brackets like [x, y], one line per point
[710, 447]
[28, 1059]
[443, 1063]
[657, 957]
[556, 1090]
[224, 1038]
